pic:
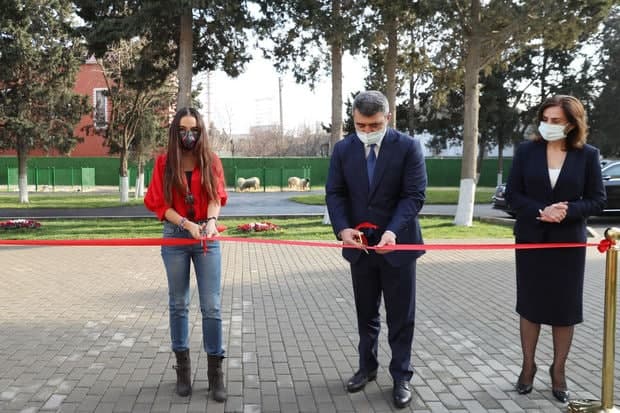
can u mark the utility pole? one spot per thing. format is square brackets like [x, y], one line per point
[281, 114]
[208, 99]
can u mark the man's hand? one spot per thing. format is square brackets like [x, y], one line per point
[350, 236]
[554, 213]
[388, 238]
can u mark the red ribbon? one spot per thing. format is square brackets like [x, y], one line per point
[602, 246]
[398, 247]
[605, 245]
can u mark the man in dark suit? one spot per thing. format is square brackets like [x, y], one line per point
[377, 176]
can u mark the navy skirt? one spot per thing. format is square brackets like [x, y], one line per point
[550, 285]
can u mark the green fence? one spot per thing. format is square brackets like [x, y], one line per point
[273, 172]
[272, 177]
[51, 177]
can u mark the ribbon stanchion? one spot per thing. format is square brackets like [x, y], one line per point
[606, 404]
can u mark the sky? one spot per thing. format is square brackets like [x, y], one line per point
[252, 98]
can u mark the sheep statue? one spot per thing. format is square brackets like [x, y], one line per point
[294, 182]
[248, 184]
[304, 184]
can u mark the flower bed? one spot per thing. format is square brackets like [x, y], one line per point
[257, 227]
[19, 224]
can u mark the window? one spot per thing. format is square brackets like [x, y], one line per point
[100, 115]
[613, 171]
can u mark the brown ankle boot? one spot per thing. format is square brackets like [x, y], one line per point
[215, 375]
[184, 373]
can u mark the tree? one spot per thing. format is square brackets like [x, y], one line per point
[189, 36]
[605, 122]
[489, 33]
[308, 37]
[392, 42]
[39, 58]
[138, 103]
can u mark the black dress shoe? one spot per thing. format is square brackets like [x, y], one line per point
[401, 394]
[559, 392]
[359, 380]
[525, 388]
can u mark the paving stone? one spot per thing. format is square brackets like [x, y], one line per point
[100, 341]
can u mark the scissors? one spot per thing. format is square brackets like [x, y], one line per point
[361, 238]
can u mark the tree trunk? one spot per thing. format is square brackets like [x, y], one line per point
[139, 192]
[336, 52]
[480, 160]
[184, 71]
[391, 62]
[22, 171]
[411, 108]
[124, 177]
[500, 160]
[467, 190]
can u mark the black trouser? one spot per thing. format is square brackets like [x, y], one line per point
[371, 276]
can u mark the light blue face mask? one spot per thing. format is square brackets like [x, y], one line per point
[551, 132]
[371, 137]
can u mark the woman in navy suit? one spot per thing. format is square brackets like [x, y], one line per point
[555, 184]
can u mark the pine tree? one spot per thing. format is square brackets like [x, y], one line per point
[39, 57]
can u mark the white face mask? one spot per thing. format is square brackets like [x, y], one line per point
[371, 137]
[551, 132]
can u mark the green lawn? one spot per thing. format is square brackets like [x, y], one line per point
[304, 228]
[66, 200]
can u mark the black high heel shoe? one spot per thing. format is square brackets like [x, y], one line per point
[561, 393]
[525, 388]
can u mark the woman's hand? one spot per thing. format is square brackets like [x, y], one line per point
[194, 229]
[554, 213]
[209, 229]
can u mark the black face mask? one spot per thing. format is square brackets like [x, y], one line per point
[189, 139]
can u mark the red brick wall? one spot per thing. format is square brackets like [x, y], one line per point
[89, 77]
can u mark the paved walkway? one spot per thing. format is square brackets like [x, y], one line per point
[239, 204]
[85, 329]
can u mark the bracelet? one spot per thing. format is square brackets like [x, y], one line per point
[211, 218]
[182, 223]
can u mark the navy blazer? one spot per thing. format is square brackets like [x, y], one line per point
[392, 202]
[529, 190]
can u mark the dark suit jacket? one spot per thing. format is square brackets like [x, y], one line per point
[392, 202]
[529, 189]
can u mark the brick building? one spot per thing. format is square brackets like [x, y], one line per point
[89, 81]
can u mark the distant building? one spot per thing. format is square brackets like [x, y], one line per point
[456, 150]
[90, 81]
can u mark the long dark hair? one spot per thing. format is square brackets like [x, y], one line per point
[174, 177]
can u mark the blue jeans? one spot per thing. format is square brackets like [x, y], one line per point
[208, 270]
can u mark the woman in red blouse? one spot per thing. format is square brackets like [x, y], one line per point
[186, 192]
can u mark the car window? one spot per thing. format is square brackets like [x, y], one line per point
[613, 171]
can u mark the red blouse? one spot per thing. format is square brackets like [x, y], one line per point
[156, 201]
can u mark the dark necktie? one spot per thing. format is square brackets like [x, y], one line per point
[371, 160]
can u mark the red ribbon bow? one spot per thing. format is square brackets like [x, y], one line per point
[605, 245]
[365, 225]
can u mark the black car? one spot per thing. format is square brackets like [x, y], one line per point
[499, 200]
[611, 180]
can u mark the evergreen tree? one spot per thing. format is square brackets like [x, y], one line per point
[186, 36]
[39, 58]
[309, 37]
[605, 122]
[478, 35]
